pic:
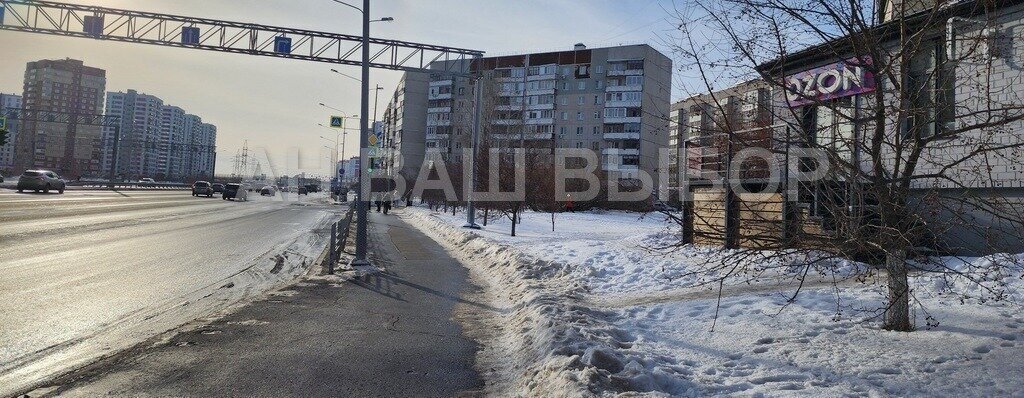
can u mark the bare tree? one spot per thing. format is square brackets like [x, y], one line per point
[900, 99]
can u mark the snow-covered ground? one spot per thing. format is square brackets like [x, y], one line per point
[596, 307]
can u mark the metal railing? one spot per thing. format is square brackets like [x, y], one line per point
[339, 237]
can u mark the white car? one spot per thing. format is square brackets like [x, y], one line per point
[147, 181]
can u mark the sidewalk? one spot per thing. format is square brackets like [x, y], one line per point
[384, 335]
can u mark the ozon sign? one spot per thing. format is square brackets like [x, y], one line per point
[841, 79]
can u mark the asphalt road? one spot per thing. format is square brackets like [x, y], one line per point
[388, 334]
[88, 273]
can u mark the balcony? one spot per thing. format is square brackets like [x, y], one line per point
[437, 137]
[620, 152]
[439, 96]
[441, 109]
[623, 104]
[542, 91]
[528, 137]
[627, 72]
[620, 120]
[549, 76]
[507, 122]
[439, 122]
[540, 120]
[439, 83]
[615, 166]
[540, 107]
[508, 107]
[614, 89]
[622, 136]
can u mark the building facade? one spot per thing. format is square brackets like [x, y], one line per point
[614, 101]
[9, 102]
[70, 148]
[158, 140]
[405, 124]
[707, 129]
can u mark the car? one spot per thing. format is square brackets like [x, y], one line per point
[1, 178]
[218, 187]
[235, 191]
[268, 191]
[303, 191]
[202, 188]
[147, 181]
[40, 180]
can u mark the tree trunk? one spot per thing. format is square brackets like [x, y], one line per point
[897, 314]
[485, 216]
[514, 223]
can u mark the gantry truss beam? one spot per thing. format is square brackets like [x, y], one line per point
[102, 23]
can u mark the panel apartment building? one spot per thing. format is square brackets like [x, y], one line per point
[9, 102]
[157, 140]
[71, 149]
[612, 100]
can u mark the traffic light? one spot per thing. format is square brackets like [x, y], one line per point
[3, 137]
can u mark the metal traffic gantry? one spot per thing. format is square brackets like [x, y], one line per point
[102, 23]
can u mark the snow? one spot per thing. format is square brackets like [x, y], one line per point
[598, 307]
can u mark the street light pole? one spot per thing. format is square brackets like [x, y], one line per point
[478, 98]
[361, 202]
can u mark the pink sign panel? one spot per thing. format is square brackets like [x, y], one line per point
[838, 80]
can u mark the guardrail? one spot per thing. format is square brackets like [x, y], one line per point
[127, 185]
[339, 237]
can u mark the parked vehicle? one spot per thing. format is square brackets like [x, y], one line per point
[202, 188]
[218, 187]
[268, 191]
[1, 178]
[303, 191]
[312, 188]
[235, 191]
[147, 181]
[40, 180]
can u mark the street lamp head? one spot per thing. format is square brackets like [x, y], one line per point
[322, 104]
[387, 19]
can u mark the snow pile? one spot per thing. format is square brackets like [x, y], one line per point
[596, 307]
[998, 277]
[549, 344]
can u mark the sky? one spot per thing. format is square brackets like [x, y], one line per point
[273, 103]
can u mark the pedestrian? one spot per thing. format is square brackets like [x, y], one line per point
[378, 202]
[387, 205]
[568, 203]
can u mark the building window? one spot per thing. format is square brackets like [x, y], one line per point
[579, 115]
[599, 69]
[579, 130]
[930, 80]
[579, 101]
[565, 116]
[582, 85]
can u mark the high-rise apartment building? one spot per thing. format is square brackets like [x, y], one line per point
[614, 101]
[9, 102]
[70, 148]
[138, 149]
[158, 140]
[405, 124]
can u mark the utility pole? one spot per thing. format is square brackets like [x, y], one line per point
[361, 202]
[475, 140]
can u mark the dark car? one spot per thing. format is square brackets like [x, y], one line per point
[202, 188]
[218, 187]
[235, 191]
[303, 191]
[40, 180]
[268, 191]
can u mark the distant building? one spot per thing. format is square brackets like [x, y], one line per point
[158, 140]
[71, 149]
[9, 101]
[138, 148]
[351, 167]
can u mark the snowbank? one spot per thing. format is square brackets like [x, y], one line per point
[596, 308]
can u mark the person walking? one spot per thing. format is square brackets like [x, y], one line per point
[387, 204]
[568, 203]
